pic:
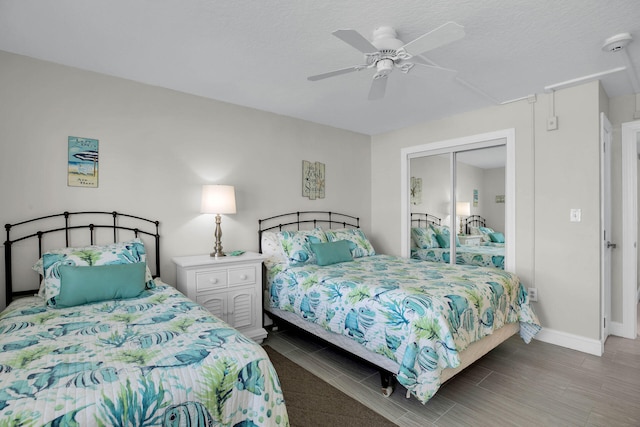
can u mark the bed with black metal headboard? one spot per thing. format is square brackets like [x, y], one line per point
[430, 242]
[411, 319]
[102, 343]
[305, 219]
[420, 219]
[476, 226]
[68, 225]
[473, 221]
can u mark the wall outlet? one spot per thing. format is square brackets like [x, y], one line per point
[533, 294]
[552, 123]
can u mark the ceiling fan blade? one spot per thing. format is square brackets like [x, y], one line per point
[430, 71]
[336, 72]
[356, 40]
[442, 35]
[378, 88]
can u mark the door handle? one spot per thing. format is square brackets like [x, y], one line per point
[611, 245]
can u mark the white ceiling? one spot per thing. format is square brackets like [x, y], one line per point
[259, 53]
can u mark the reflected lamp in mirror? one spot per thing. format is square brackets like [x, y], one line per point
[463, 209]
[218, 200]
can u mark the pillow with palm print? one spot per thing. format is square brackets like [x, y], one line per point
[443, 235]
[296, 245]
[358, 242]
[117, 253]
[424, 237]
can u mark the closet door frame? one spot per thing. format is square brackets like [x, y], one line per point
[501, 137]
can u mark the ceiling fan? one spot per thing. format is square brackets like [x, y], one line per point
[386, 52]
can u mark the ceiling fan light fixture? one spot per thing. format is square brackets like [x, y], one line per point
[617, 42]
[384, 67]
[386, 52]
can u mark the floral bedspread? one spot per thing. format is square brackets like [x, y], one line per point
[484, 256]
[419, 314]
[156, 360]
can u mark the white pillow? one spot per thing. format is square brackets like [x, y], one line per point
[271, 245]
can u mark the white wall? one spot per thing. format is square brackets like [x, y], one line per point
[435, 175]
[469, 178]
[493, 185]
[555, 171]
[157, 147]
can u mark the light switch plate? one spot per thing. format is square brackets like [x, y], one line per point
[575, 215]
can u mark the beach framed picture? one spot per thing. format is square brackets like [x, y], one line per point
[83, 162]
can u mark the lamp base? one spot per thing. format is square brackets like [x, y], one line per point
[217, 250]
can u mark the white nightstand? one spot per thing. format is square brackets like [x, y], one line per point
[470, 240]
[230, 287]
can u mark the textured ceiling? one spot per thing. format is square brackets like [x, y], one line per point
[259, 53]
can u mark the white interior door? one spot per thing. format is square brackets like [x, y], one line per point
[630, 141]
[605, 210]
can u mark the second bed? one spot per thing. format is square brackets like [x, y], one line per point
[420, 321]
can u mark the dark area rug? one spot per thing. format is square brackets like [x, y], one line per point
[313, 402]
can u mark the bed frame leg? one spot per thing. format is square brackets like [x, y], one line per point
[387, 380]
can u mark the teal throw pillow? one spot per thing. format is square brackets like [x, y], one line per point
[332, 252]
[443, 236]
[84, 284]
[360, 245]
[129, 252]
[443, 240]
[496, 237]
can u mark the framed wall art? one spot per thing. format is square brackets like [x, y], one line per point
[313, 174]
[82, 169]
[416, 190]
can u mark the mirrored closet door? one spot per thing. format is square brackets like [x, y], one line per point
[456, 208]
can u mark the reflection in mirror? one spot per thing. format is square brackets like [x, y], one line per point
[478, 219]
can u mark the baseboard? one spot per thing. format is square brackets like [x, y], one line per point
[574, 342]
[617, 329]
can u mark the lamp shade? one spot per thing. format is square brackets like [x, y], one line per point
[218, 199]
[463, 208]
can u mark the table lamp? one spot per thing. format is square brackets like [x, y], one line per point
[462, 209]
[218, 199]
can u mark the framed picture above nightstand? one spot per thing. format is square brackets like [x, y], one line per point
[230, 287]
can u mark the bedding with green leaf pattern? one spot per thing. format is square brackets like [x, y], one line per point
[159, 359]
[483, 256]
[418, 314]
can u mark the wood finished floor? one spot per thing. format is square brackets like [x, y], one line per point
[516, 384]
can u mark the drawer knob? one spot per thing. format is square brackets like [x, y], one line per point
[213, 280]
[243, 276]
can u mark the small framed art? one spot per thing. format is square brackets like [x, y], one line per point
[82, 170]
[313, 175]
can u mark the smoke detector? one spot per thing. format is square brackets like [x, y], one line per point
[617, 42]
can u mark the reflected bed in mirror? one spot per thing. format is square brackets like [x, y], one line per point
[480, 245]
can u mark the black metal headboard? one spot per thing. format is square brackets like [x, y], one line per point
[419, 219]
[99, 220]
[296, 220]
[474, 221]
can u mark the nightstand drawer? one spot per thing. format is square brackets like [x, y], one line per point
[207, 280]
[242, 276]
